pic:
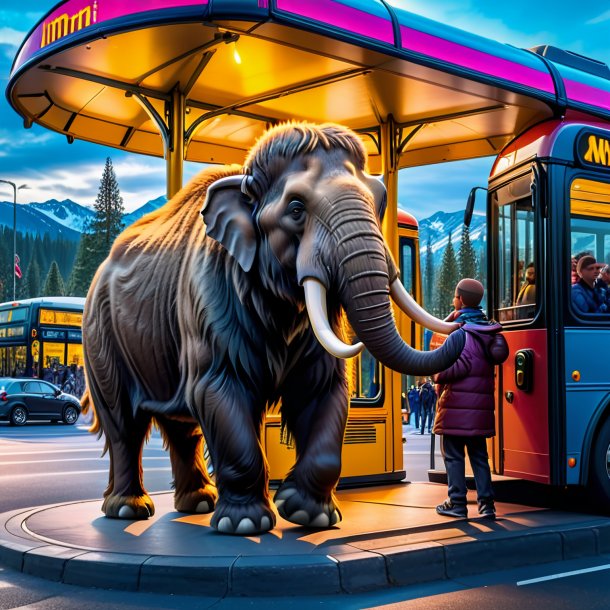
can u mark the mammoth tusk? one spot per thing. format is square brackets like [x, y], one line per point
[417, 313]
[315, 299]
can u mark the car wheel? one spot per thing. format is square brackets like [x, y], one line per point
[19, 416]
[599, 474]
[70, 415]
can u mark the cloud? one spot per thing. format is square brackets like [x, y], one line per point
[12, 37]
[605, 16]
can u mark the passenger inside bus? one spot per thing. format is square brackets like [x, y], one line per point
[527, 292]
[585, 297]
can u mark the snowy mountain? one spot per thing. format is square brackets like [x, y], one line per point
[66, 218]
[438, 226]
[148, 207]
[66, 212]
[32, 220]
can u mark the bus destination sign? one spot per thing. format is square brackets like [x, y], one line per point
[593, 149]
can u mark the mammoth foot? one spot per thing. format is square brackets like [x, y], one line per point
[297, 507]
[199, 501]
[243, 519]
[128, 507]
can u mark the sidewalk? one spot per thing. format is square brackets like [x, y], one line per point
[386, 536]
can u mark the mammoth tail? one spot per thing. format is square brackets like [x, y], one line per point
[87, 406]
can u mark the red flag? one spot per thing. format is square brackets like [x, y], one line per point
[17, 268]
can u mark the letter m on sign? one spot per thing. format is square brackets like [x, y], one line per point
[598, 151]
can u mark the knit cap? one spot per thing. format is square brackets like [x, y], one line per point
[471, 291]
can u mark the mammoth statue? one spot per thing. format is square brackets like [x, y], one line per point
[203, 324]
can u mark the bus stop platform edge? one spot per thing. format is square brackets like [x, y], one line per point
[389, 536]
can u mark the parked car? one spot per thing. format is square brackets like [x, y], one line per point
[34, 399]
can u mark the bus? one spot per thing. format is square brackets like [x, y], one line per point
[549, 201]
[371, 452]
[41, 337]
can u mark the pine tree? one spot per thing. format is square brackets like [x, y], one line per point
[31, 287]
[98, 238]
[467, 258]
[85, 265]
[447, 280]
[429, 277]
[54, 284]
[109, 210]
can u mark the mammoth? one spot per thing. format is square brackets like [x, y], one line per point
[200, 325]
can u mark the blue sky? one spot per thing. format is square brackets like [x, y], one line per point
[54, 169]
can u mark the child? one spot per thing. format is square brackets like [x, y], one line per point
[465, 409]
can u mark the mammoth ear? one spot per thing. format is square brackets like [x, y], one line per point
[379, 194]
[227, 213]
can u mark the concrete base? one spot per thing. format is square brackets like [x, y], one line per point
[387, 535]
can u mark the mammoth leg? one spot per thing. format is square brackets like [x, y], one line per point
[232, 432]
[317, 423]
[194, 492]
[125, 496]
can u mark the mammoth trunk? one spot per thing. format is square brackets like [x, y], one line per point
[365, 296]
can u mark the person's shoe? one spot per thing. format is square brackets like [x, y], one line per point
[449, 509]
[487, 509]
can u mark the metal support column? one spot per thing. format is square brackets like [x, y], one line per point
[174, 154]
[390, 138]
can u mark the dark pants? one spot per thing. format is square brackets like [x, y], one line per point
[415, 413]
[452, 449]
[426, 414]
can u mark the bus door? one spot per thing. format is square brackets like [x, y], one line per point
[521, 448]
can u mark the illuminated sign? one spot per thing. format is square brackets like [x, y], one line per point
[65, 24]
[594, 149]
[74, 16]
[55, 317]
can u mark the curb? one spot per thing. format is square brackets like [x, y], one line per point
[290, 575]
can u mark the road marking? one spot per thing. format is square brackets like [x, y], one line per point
[97, 448]
[85, 459]
[69, 473]
[532, 581]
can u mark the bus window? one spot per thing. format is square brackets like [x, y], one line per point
[516, 268]
[590, 233]
[75, 354]
[53, 353]
[12, 361]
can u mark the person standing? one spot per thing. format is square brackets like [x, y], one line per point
[465, 408]
[413, 397]
[427, 397]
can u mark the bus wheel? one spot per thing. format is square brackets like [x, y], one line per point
[70, 415]
[599, 476]
[19, 416]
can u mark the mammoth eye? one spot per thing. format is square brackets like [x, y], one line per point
[296, 209]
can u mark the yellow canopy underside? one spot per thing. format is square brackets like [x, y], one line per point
[87, 92]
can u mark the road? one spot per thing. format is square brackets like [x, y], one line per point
[45, 464]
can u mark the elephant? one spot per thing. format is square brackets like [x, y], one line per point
[200, 326]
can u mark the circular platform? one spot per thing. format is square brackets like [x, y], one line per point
[385, 534]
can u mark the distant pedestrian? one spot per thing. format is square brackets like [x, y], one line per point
[465, 409]
[413, 398]
[427, 400]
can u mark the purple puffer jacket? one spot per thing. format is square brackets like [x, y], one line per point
[466, 388]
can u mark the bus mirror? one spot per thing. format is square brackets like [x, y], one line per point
[472, 196]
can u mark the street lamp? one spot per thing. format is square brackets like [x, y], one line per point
[15, 189]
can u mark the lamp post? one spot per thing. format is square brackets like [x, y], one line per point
[15, 189]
